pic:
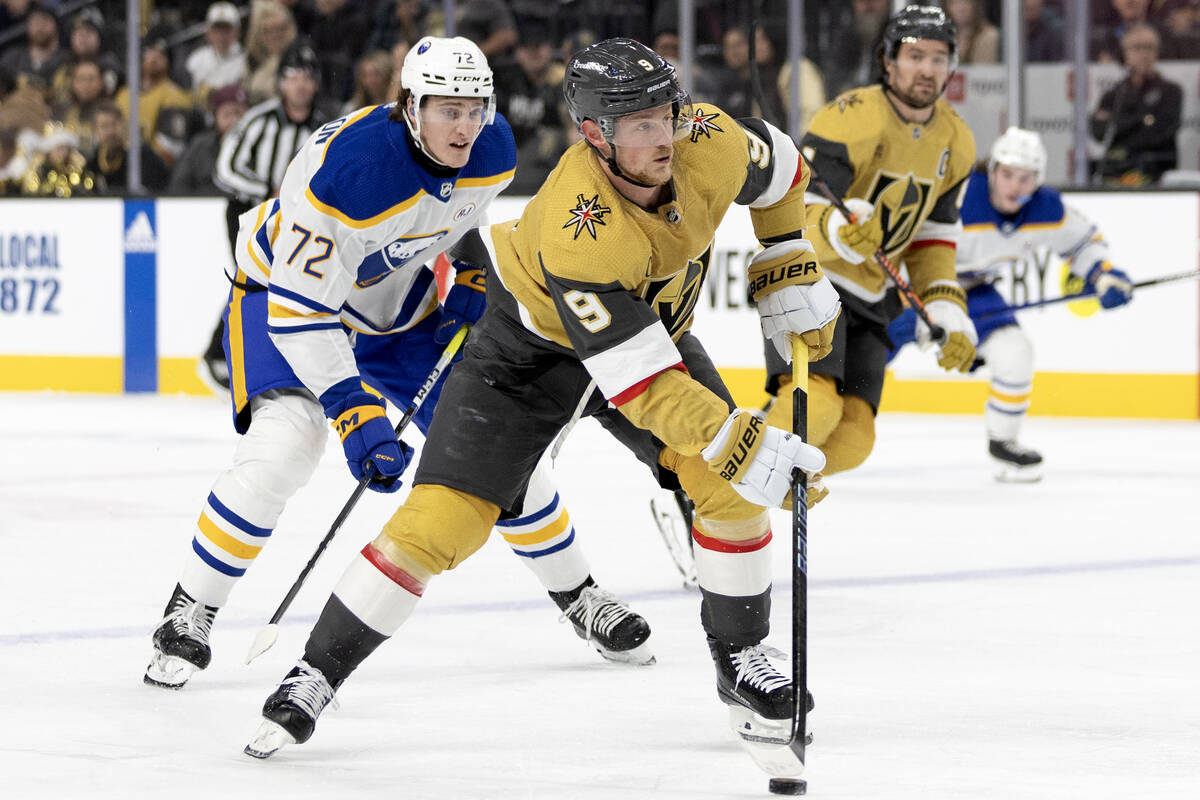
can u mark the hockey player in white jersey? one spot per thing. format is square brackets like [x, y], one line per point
[1007, 214]
[331, 295]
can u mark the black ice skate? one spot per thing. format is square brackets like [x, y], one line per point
[760, 705]
[180, 641]
[290, 713]
[608, 625]
[1016, 464]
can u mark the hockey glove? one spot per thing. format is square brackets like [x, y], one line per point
[855, 241]
[464, 303]
[794, 296]
[758, 459]
[1111, 285]
[947, 307]
[369, 441]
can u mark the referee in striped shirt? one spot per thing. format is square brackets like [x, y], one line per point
[255, 154]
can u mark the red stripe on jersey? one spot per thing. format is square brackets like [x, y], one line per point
[799, 173]
[726, 546]
[633, 391]
[398, 576]
[931, 243]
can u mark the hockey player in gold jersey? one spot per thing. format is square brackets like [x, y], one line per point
[899, 156]
[596, 285]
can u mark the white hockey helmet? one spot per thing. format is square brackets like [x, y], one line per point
[448, 68]
[1020, 148]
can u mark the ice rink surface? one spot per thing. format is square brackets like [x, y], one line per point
[968, 639]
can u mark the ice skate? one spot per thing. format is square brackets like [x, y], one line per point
[608, 625]
[760, 706]
[1016, 464]
[290, 713]
[180, 641]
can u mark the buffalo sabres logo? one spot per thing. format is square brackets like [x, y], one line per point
[703, 123]
[587, 215]
[899, 200]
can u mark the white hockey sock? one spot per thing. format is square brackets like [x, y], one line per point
[733, 568]
[273, 460]
[544, 538]
[233, 528]
[1009, 355]
[1006, 408]
[381, 594]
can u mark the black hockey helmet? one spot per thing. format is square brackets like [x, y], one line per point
[919, 22]
[300, 55]
[620, 76]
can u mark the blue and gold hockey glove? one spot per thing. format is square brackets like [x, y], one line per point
[368, 439]
[464, 303]
[1111, 285]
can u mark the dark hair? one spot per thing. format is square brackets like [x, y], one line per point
[402, 98]
[109, 107]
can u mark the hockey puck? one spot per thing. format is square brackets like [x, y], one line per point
[792, 786]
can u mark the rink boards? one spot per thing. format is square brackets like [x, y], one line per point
[115, 296]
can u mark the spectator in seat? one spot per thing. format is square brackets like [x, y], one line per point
[1117, 19]
[108, 163]
[372, 79]
[158, 90]
[733, 79]
[978, 39]
[1137, 120]
[849, 58]
[271, 29]
[87, 91]
[58, 169]
[34, 62]
[487, 23]
[193, 172]
[1181, 30]
[396, 21]
[86, 42]
[13, 164]
[1045, 32]
[221, 60]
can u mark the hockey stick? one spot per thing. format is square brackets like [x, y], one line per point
[267, 637]
[936, 332]
[1084, 295]
[799, 553]
[562, 435]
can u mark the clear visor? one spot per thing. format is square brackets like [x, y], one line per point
[655, 127]
[473, 111]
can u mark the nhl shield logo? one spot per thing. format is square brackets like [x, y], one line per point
[447, 188]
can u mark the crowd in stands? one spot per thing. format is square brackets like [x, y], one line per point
[64, 102]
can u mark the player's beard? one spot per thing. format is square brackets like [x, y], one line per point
[910, 98]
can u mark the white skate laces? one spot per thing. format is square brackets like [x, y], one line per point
[754, 669]
[309, 690]
[596, 610]
[191, 619]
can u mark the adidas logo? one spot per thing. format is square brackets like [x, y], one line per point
[139, 236]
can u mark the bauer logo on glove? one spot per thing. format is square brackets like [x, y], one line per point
[743, 448]
[778, 276]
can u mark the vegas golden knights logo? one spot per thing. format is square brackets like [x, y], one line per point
[674, 297]
[899, 199]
